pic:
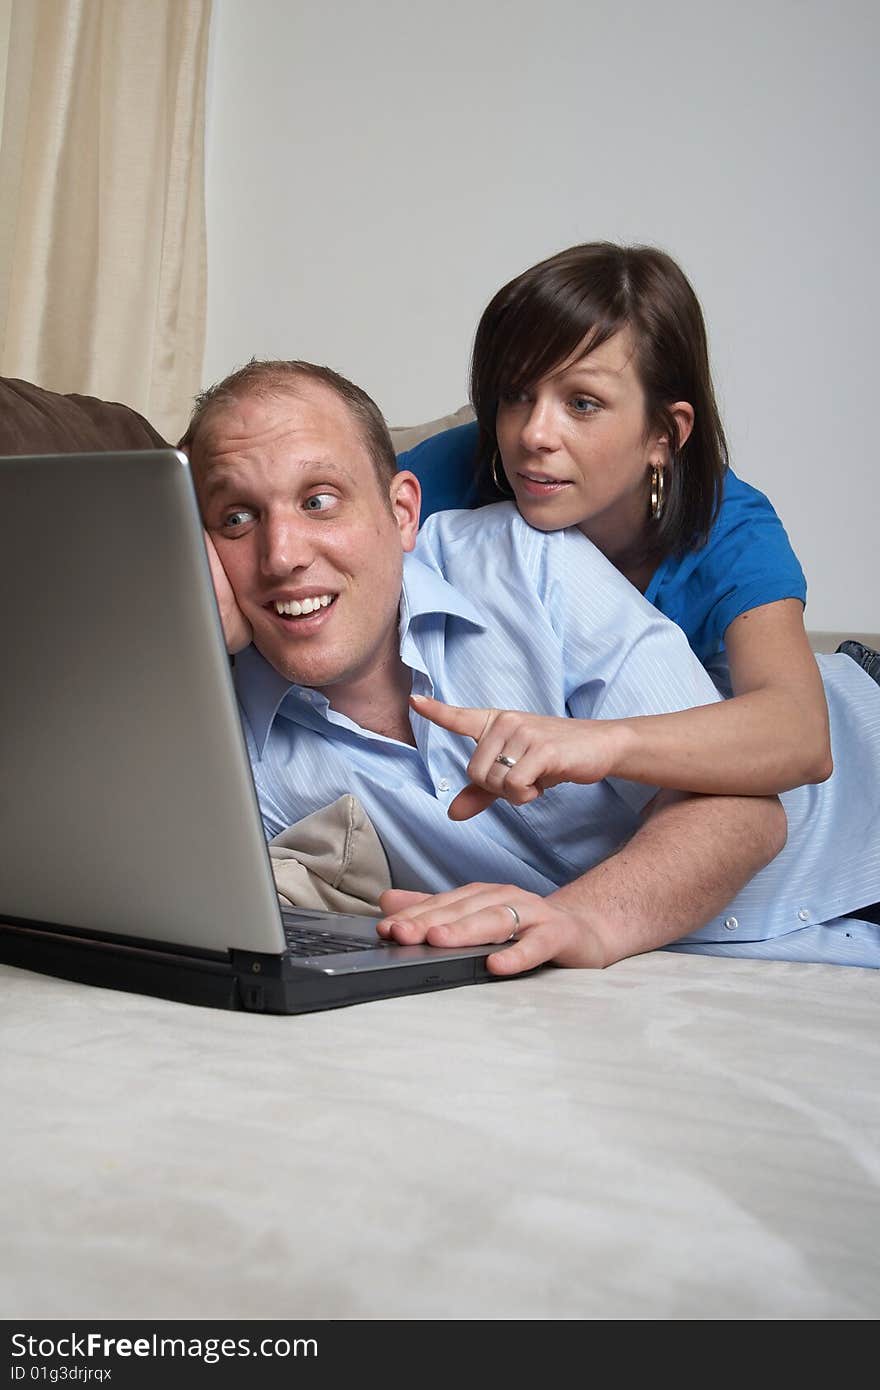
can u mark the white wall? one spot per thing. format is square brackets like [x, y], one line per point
[376, 171]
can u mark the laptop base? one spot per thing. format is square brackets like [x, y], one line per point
[244, 981]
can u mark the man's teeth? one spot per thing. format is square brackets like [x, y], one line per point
[294, 609]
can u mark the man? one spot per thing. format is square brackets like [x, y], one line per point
[342, 615]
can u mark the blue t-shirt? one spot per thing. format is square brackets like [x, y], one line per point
[747, 560]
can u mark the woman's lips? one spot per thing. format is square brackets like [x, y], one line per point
[541, 487]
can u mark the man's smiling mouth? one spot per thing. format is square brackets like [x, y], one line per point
[300, 608]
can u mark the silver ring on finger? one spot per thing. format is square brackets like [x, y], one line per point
[505, 761]
[516, 922]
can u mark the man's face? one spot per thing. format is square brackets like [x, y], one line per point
[310, 539]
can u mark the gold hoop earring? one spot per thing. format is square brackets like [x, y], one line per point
[658, 489]
[500, 485]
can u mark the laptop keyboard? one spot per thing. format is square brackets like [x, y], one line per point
[305, 941]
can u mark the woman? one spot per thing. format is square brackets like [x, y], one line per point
[595, 408]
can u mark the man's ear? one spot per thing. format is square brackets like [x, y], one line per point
[405, 494]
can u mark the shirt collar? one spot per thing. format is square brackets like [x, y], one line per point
[426, 591]
[261, 689]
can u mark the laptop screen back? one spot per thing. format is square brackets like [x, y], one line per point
[126, 800]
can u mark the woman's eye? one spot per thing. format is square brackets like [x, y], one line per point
[582, 405]
[514, 397]
[240, 517]
[319, 502]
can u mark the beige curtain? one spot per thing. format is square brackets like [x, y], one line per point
[102, 221]
[5, 16]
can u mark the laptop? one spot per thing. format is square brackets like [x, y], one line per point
[132, 854]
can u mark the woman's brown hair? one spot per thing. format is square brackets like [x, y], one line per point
[583, 296]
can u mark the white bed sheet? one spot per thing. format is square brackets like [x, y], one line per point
[675, 1137]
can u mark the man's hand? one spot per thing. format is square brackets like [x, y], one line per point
[481, 913]
[683, 866]
[541, 751]
[236, 628]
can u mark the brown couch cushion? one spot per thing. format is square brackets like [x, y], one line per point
[35, 421]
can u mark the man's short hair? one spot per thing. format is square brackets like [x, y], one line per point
[271, 378]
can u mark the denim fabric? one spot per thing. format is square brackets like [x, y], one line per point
[867, 658]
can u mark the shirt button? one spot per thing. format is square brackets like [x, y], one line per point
[804, 915]
[730, 924]
[443, 785]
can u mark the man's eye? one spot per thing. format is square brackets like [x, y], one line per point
[240, 517]
[319, 502]
[582, 405]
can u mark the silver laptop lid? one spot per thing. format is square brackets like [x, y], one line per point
[126, 799]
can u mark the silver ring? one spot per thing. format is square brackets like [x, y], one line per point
[516, 922]
[506, 762]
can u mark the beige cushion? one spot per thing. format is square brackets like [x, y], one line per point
[830, 641]
[331, 859]
[406, 436]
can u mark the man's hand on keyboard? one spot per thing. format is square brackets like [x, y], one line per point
[481, 913]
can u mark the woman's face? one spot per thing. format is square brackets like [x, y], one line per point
[576, 450]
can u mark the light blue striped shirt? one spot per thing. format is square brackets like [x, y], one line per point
[496, 614]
